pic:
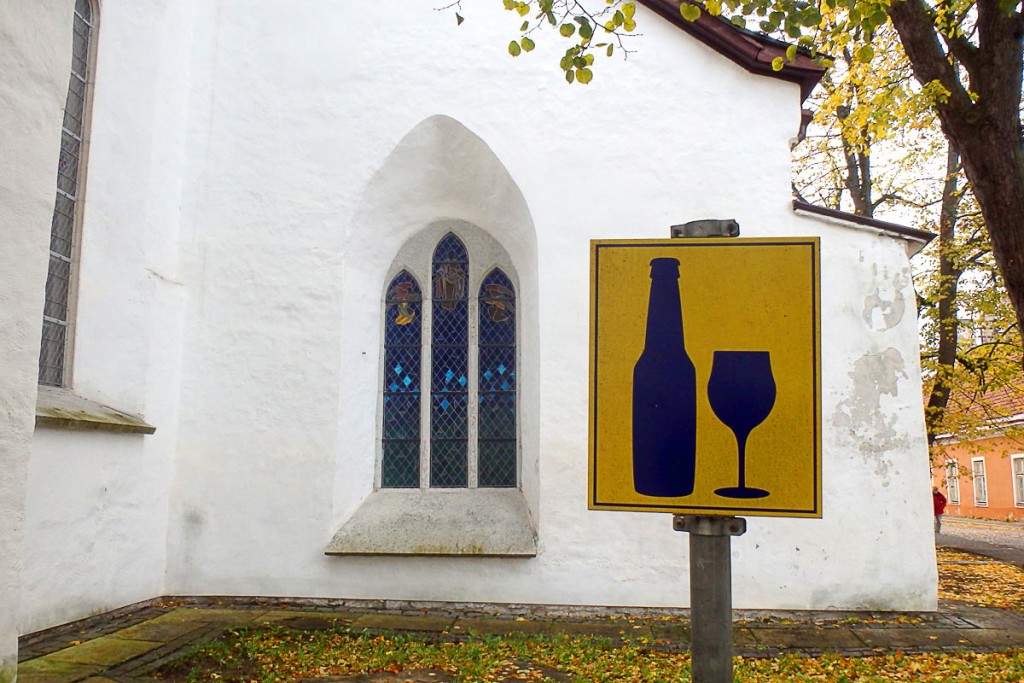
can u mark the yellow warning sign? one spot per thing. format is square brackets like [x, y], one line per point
[705, 388]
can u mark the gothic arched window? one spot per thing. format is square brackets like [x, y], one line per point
[464, 399]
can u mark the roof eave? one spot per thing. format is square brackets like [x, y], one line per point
[916, 239]
[749, 50]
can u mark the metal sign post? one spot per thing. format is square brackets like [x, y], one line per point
[710, 552]
[710, 593]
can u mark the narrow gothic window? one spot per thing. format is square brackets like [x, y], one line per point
[449, 377]
[496, 421]
[400, 453]
[57, 321]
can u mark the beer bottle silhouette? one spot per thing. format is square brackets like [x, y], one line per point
[664, 394]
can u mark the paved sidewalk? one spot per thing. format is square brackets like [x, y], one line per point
[129, 644]
[1011, 525]
[1005, 553]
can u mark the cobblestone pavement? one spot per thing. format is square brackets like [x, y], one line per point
[128, 645]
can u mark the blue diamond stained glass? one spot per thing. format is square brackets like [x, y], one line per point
[449, 349]
[400, 445]
[496, 417]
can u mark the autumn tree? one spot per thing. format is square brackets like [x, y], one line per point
[875, 147]
[967, 54]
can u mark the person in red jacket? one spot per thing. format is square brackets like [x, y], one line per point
[939, 504]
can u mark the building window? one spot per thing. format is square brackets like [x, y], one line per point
[400, 447]
[57, 316]
[953, 482]
[449, 362]
[449, 372]
[496, 422]
[980, 483]
[1017, 463]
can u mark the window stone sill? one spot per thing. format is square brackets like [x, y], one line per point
[60, 409]
[439, 522]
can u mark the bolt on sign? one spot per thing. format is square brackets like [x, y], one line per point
[705, 376]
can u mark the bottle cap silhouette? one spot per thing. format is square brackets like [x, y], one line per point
[665, 267]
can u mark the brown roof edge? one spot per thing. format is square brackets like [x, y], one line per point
[753, 51]
[893, 228]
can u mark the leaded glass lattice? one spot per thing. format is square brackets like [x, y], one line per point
[496, 416]
[56, 314]
[400, 446]
[449, 349]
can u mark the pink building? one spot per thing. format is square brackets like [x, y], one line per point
[984, 477]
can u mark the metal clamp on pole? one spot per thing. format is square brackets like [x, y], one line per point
[709, 227]
[710, 593]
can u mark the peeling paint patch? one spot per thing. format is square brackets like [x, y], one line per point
[884, 308]
[860, 416]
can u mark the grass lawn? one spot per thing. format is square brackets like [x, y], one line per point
[279, 654]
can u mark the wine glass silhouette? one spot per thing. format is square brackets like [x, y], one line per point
[742, 394]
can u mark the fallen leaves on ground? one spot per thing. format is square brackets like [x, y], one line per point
[281, 654]
[275, 654]
[980, 581]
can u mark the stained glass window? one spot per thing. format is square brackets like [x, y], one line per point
[496, 418]
[400, 452]
[449, 351]
[472, 419]
[56, 314]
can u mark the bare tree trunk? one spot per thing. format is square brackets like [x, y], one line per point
[949, 280]
[858, 170]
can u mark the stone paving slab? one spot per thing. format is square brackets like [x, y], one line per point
[917, 638]
[145, 664]
[675, 632]
[804, 637]
[106, 651]
[276, 616]
[500, 627]
[211, 615]
[46, 670]
[743, 638]
[159, 631]
[37, 644]
[995, 638]
[613, 631]
[397, 622]
[978, 617]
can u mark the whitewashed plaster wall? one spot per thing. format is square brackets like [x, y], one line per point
[97, 504]
[33, 59]
[294, 114]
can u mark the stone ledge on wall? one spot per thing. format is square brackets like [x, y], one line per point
[445, 522]
[61, 409]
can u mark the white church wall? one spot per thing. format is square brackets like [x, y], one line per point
[282, 350]
[95, 532]
[97, 503]
[34, 58]
[247, 193]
